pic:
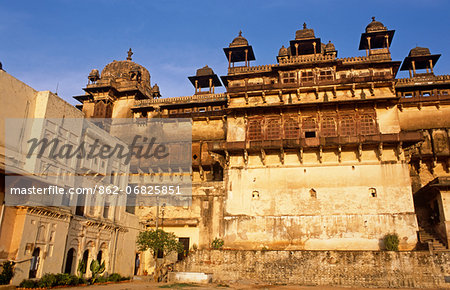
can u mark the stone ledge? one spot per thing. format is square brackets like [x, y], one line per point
[190, 277]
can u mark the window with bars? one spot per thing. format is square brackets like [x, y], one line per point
[348, 126]
[291, 128]
[326, 75]
[307, 76]
[329, 127]
[288, 77]
[368, 125]
[273, 128]
[255, 129]
[309, 126]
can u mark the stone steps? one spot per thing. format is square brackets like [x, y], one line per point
[426, 235]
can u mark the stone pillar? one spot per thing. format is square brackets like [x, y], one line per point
[246, 57]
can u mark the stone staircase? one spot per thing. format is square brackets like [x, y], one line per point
[428, 236]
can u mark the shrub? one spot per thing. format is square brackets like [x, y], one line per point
[63, 279]
[102, 279]
[52, 280]
[7, 272]
[28, 284]
[114, 277]
[217, 244]
[391, 242]
[47, 281]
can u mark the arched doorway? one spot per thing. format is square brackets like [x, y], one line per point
[85, 261]
[99, 256]
[69, 261]
[34, 263]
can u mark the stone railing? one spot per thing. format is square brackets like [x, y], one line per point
[419, 79]
[184, 99]
[307, 59]
[250, 69]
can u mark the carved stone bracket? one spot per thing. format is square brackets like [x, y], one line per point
[399, 150]
[360, 152]
[263, 156]
[320, 154]
[245, 157]
[380, 151]
[372, 89]
[300, 155]
[280, 96]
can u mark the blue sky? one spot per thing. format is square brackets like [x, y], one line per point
[56, 43]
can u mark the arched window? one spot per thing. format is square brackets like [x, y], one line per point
[99, 110]
[273, 129]
[254, 131]
[348, 126]
[368, 125]
[291, 128]
[69, 261]
[99, 256]
[309, 127]
[329, 127]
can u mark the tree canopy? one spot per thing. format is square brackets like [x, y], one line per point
[159, 240]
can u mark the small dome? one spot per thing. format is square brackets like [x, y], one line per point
[419, 51]
[124, 69]
[205, 71]
[155, 88]
[375, 26]
[283, 51]
[304, 33]
[329, 47]
[239, 41]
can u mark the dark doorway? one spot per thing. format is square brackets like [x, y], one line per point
[184, 253]
[69, 261]
[436, 212]
[137, 263]
[99, 256]
[34, 263]
[85, 261]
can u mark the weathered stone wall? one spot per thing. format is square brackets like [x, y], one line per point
[343, 268]
[324, 207]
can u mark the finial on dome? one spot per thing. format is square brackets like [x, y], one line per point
[130, 53]
[240, 32]
[304, 25]
[373, 18]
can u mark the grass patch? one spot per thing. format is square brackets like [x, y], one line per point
[178, 285]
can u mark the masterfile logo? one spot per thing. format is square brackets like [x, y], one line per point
[118, 161]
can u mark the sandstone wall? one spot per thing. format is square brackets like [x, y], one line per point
[337, 268]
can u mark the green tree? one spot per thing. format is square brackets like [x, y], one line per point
[159, 241]
[96, 269]
[7, 272]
